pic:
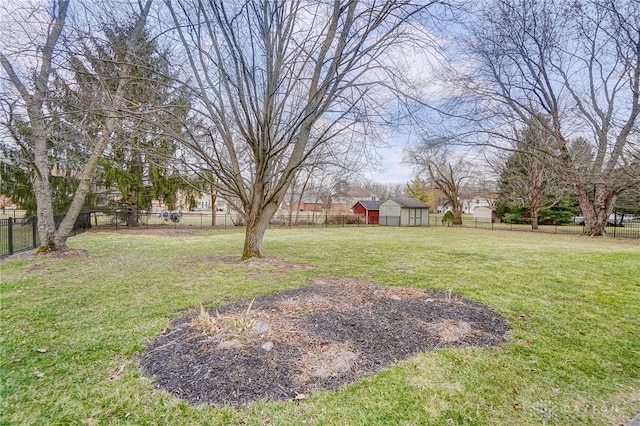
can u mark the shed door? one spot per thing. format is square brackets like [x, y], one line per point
[415, 217]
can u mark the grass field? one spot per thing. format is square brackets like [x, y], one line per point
[73, 326]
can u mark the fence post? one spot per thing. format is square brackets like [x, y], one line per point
[10, 234]
[34, 230]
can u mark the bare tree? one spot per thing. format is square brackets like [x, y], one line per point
[30, 71]
[34, 95]
[448, 171]
[577, 66]
[386, 190]
[277, 81]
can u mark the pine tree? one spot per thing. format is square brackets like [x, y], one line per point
[140, 164]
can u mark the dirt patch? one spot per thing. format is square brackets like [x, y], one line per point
[66, 254]
[318, 337]
[166, 231]
[256, 267]
[35, 267]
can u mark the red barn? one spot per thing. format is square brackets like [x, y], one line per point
[369, 209]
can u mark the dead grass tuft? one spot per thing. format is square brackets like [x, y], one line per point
[237, 325]
[331, 360]
[451, 331]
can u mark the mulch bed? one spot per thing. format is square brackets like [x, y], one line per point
[319, 337]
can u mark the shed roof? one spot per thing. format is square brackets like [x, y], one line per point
[412, 203]
[358, 192]
[369, 204]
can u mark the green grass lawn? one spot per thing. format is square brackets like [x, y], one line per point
[71, 328]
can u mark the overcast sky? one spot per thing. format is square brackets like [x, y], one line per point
[391, 169]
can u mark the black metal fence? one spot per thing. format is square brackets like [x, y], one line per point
[630, 230]
[205, 220]
[20, 234]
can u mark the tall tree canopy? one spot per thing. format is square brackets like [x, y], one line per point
[140, 161]
[576, 66]
[278, 81]
[35, 72]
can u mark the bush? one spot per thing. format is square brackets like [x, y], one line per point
[516, 217]
[555, 215]
[344, 220]
[449, 218]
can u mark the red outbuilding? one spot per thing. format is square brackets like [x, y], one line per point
[369, 209]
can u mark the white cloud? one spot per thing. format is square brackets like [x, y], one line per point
[391, 168]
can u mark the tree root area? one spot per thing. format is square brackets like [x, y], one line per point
[320, 337]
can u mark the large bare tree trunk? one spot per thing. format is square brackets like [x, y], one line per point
[256, 227]
[66, 226]
[596, 212]
[214, 208]
[46, 223]
[257, 223]
[457, 213]
[534, 219]
[41, 183]
[534, 207]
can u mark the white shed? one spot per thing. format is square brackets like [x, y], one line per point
[485, 214]
[400, 211]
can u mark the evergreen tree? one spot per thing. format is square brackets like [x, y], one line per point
[140, 163]
[418, 188]
[529, 181]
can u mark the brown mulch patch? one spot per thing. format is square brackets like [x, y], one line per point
[323, 336]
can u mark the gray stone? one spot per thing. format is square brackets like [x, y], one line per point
[635, 421]
[261, 327]
[230, 344]
[267, 346]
